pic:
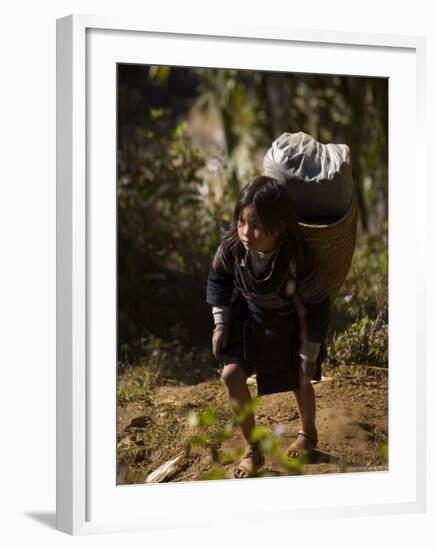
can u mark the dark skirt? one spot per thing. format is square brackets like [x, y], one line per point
[266, 344]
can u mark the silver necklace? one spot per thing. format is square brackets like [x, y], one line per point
[249, 271]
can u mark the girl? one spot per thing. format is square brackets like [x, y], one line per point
[270, 308]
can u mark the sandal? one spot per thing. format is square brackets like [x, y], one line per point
[296, 450]
[249, 464]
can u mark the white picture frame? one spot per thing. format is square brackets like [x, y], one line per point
[80, 488]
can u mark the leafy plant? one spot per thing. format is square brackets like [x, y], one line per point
[365, 342]
[210, 435]
[134, 385]
[359, 320]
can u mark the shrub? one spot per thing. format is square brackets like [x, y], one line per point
[365, 342]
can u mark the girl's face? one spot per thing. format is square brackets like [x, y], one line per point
[251, 232]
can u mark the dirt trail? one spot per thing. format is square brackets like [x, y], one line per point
[352, 421]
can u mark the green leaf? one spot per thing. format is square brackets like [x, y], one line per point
[222, 435]
[209, 418]
[198, 440]
[258, 433]
[227, 458]
[269, 445]
[156, 113]
[383, 450]
[250, 406]
[213, 473]
[293, 464]
[163, 73]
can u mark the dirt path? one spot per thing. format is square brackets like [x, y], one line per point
[352, 421]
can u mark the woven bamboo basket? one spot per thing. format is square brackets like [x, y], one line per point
[333, 247]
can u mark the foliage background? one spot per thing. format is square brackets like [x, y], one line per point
[188, 139]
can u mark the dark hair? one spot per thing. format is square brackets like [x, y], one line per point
[275, 209]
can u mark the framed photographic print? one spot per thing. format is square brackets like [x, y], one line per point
[160, 132]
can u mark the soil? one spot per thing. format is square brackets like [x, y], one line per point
[352, 422]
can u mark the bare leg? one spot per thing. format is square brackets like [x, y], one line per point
[306, 403]
[234, 379]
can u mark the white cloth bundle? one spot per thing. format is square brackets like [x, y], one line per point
[318, 176]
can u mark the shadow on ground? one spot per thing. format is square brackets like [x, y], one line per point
[320, 457]
[46, 518]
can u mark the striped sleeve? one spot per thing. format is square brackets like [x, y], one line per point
[223, 261]
[221, 277]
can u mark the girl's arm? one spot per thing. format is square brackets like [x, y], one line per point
[219, 293]
[221, 278]
[221, 314]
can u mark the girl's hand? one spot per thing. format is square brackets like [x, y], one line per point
[219, 338]
[308, 368]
